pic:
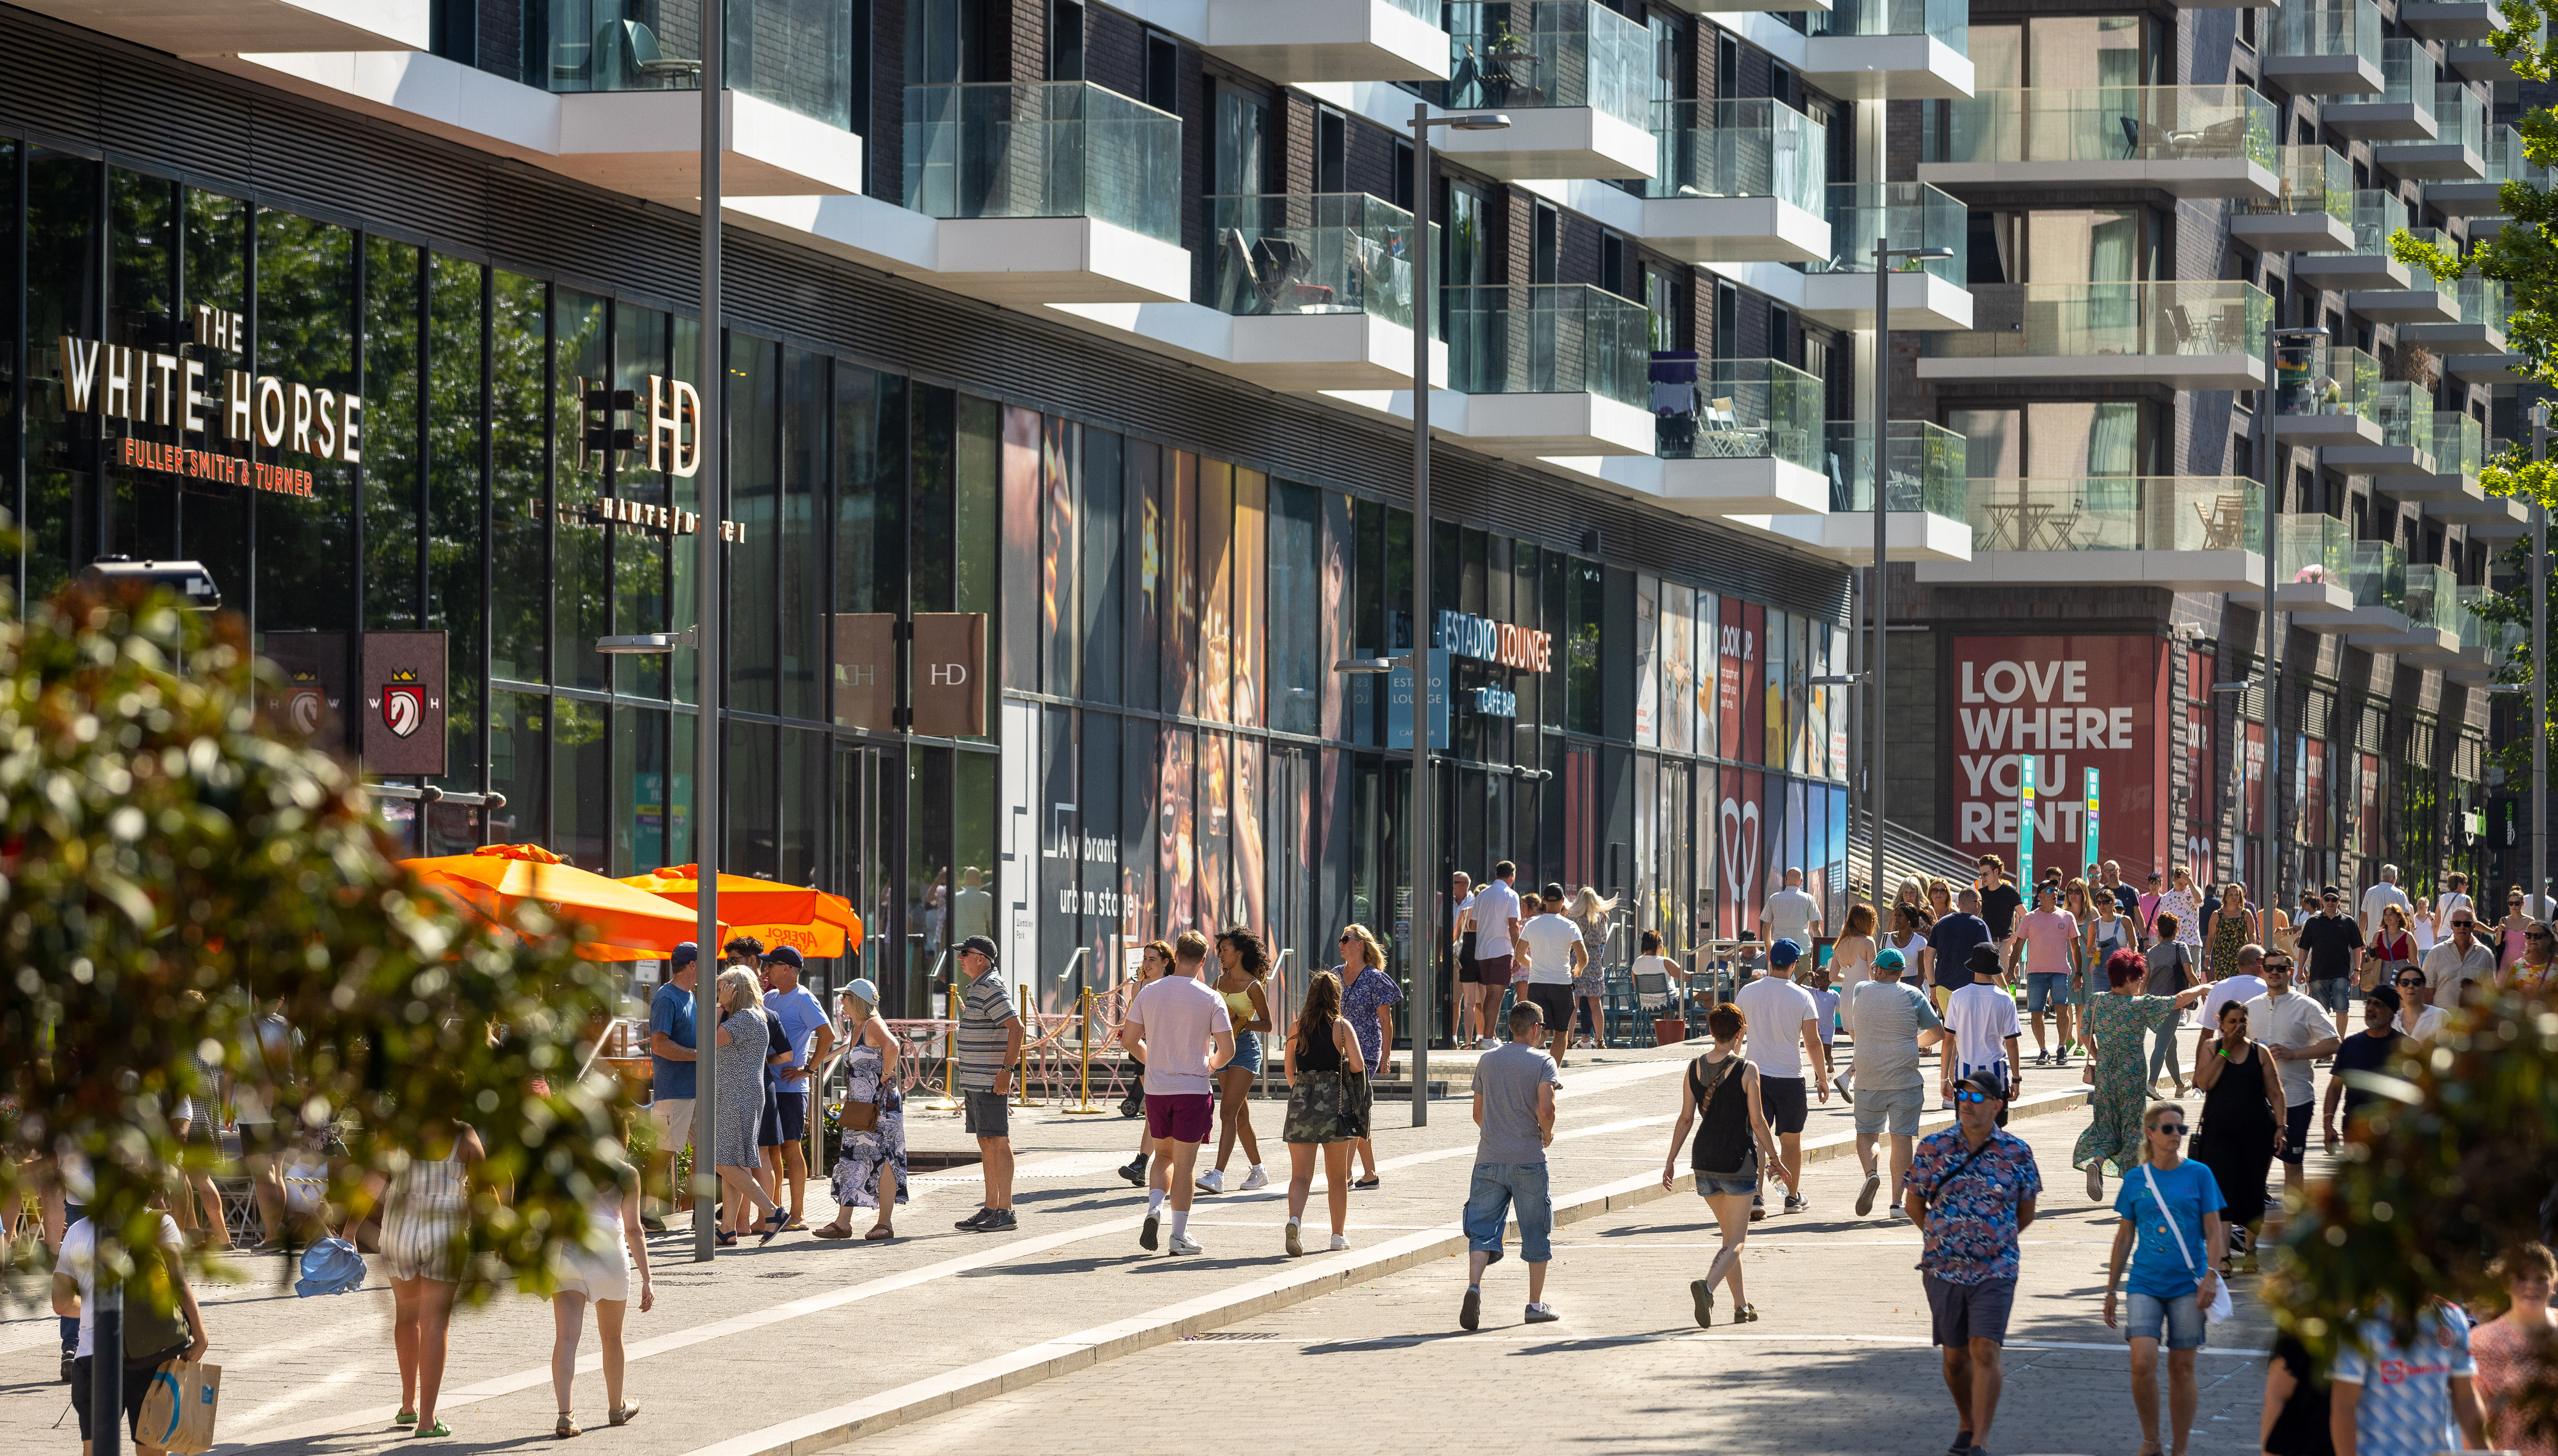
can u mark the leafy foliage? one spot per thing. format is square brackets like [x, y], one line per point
[159, 836]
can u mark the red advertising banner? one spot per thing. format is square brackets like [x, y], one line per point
[2073, 703]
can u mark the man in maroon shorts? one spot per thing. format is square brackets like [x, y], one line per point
[1181, 1030]
[1495, 919]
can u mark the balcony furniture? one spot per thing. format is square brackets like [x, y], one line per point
[2224, 522]
[637, 46]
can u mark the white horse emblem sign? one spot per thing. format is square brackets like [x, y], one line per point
[404, 708]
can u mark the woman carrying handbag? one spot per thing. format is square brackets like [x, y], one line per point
[1327, 1107]
[870, 1169]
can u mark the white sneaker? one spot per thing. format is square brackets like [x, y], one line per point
[1541, 1314]
[1487, 1043]
[1341, 1241]
[1255, 1179]
[1184, 1243]
[1213, 1181]
[1839, 1081]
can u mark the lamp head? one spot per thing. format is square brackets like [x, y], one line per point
[1479, 121]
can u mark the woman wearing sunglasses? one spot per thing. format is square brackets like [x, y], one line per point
[2535, 974]
[2171, 1222]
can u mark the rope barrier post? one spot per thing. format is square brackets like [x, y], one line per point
[1086, 1108]
[1022, 1075]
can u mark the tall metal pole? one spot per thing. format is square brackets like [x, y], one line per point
[1876, 605]
[2266, 667]
[2539, 677]
[1425, 894]
[710, 441]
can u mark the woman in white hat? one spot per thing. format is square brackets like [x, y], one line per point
[870, 1171]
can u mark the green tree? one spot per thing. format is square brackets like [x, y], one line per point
[160, 836]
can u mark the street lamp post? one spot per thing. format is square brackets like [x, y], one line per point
[1425, 899]
[2539, 679]
[1877, 608]
[2269, 666]
[709, 441]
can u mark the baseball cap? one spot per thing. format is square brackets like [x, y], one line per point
[1785, 952]
[1554, 891]
[863, 988]
[1889, 961]
[1986, 1082]
[980, 945]
[686, 953]
[786, 954]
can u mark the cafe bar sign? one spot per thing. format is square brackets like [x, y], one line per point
[147, 387]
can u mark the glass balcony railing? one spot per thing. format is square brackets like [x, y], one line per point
[2118, 514]
[1950, 21]
[795, 54]
[1738, 149]
[2082, 320]
[2481, 300]
[2379, 575]
[1313, 253]
[2407, 78]
[2506, 161]
[2312, 546]
[2418, 275]
[1898, 214]
[1735, 410]
[1429, 10]
[1549, 52]
[2406, 414]
[2432, 599]
[1043, 149]
[2459, 444]
[1922, 469]
[2478, 635]
[1547, 338]
[2309, 179]
[2101, 124]
[2326, 27]
[2317, 378]
[2460, 115]
[2375, 217]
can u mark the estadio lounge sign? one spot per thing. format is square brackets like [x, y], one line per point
[148, 387]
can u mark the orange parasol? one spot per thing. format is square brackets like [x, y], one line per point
[814, 921]
[621, 923]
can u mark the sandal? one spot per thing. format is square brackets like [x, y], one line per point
[880, 1234]
[567, 1427]
[726, 1241]
[831, 1230]
[621, 1414]
[406, 1417]
[437, 1429]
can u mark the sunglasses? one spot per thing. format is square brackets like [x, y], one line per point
[1969, 1095]
[2461, 925]
[2172, 1130]
[2409, 981]
[2538, 935]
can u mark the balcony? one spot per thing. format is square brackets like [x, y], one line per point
[2184, 533]
[2188, 141]
[2486, 647]
[2427, 601]
[2183, 335]
[2425, 299]
[1574, 77]
[2366, 262]
[1730, 436]
[1839, 290]
[2480, 306]
[2326, 48]
[1054, 192]
[2311, 206]
[2503, 157]
[2459, 449]
[1737, 181]
[2458, 151]
[1899, 48]
[1926, 496]
[2488, 518]
[2325, 394]
[2501, 371]
[2376, 578]
[2405, 108]
[2450, 20]
[2475, 59]
[2405, 413]
[1330, 40]
[1571, 365]
[2313, 570]
[1319, 287]
[200, 28]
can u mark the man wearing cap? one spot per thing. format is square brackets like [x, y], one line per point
[670, 1068]
[1971, 1190]
[989, 1041]
[1785, 1028]
[2330, 940]
[1555, 955]
[1980, 1018]
[1886, 1069]
[812, 1040]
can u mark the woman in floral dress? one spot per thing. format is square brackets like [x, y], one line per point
[871, 1160]
[2232, 927]
[2184, 902]
[2118, 1026]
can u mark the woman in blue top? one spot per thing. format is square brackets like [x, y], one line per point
[2171, 1223]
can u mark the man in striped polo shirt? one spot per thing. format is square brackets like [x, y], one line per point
[990, 1041]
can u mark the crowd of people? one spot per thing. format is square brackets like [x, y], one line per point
[2092, 967]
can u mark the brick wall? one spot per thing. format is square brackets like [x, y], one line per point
[1115, 51]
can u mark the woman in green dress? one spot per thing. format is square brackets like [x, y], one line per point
[2116, 1033]
[2228, 925]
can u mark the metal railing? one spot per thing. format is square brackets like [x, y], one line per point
[1902, 215]
[2082, 320]
[1923, 466]
[1313, 253]
[1548, 53]
[1043, 149]
[1755, 148]
[2118, 514]
[1734, 408]
[2101, 124]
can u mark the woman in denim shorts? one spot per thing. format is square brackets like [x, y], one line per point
[1720, 1093]
[2171, 1229]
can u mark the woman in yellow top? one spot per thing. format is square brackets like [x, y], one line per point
[1245, 964]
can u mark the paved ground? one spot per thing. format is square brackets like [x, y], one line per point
[768, 1335]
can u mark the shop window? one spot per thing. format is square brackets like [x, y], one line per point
[394, 277]
[641, 821]
[582, 790]
[1060, 466]
[457, 314]
[520, 768]
[933, 494]
[520, 446]
[1251, 601]
[1100, 574]
[1298, 668]
[1214, 672]
[636, 563]
[1585, 586]
[799, 541]
[1148, 572]
[754, 495]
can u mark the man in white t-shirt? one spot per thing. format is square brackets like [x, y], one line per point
[2243, 985]
[1791, 914]
[2294, 1030]
[1783, 1031]
[1495, 919]
[1555, 955]
[74, 1267]
[1182, 1032]
[1981, 1019]
[2385, 893]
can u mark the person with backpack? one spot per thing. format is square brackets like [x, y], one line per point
[1720, 1094]
[2170, 1230]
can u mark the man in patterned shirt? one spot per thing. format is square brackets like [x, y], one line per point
[2411, 1399]
[1971, 1190]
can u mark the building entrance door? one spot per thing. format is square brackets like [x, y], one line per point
[865, 872]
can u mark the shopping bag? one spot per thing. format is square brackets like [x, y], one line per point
[177, 1411]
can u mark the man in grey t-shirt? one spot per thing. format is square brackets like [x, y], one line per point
[1890, 1088]
[1515, 1106]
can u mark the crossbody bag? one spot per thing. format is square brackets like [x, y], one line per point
[2219, 1308]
